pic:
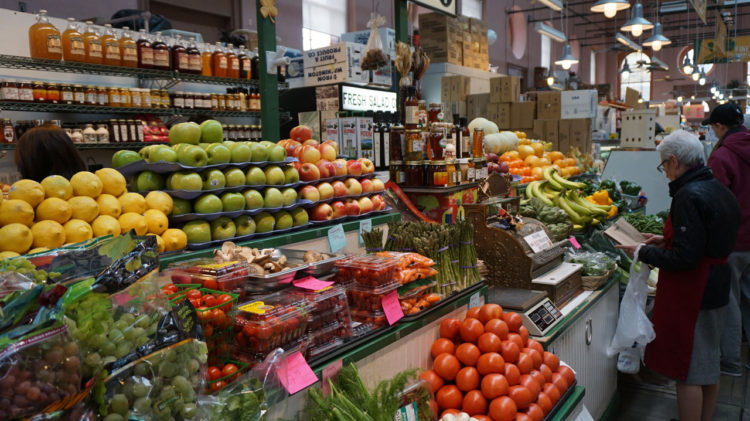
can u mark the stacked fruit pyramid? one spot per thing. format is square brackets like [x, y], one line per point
[226, 190]
[487, 366]
[42, 216]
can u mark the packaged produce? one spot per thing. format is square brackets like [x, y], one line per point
[328, 333]
[653, 224]
[269, 322]
[318, 320]
[374, 56]
[228, 277]
[223, 374]
[413, 300]
[594, 263]
[323, 300]
[367, 298]
[375, 318]
[323, 348]
[371, 271]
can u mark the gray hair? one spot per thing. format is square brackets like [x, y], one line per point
[684, 146]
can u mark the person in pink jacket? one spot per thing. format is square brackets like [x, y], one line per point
[730, 162]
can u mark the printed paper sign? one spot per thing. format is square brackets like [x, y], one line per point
[295, 374]
[538, 241]
[337, 238]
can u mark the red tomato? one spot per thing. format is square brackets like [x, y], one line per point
[510, 351]
[552, 392]
[442, 345]
[196, 302]
[225, 298]
[467, 379]
[213, 373]
[449, 329]
[209, 300]
[544, 402]
[446, 366]
[521, 395]
[449, 397]
[194, 294]
[433, 379]
[479, 417]
[491, 362]
[535, 345]
[535, 412]
[494, 385]
[489, 342]
[520, 416]
[524, 334]
[525, 364]
[219, 318]
[536, 357]
[228, 370]
[551, 361]
[450, 411]
[204, 314]
[531, 384]
[473, 313]
[216, 386]
[488, 312]
[503, 409]
[210, 284]
[568, 373]
[513, 320]
[546, 372]
[539, 377]
[468, 354]
[512, 374]
[560, 382]
[498, 327]
[516, 338]
[169, 289]
[208, 330]
[474, 403]
[471, 330]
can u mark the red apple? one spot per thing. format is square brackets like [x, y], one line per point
[378, 202]
[310, 193]
[353, 167]
[340, 165]
[311, 142]
[353, 187]
[326, 168]
[339, 209]
[327, 152]
[367, 186]
[339, 189]
[290, 145]
[352, 207]
[301, 133]
[325, 190]
[365, 205]
[309, 172]
[377, 185]
[322, 212]
[309, 153]
[367, 166]
[332, 143]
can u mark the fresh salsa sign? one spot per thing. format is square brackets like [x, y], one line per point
[360, 99]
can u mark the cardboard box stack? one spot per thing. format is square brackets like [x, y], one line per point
[337, 63]
[565, 118]
[453, 95]
[506, 108]
[461, 41]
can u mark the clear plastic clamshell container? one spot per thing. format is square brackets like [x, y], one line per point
[269, 322]
[228, 277]
[369, 271]
[367, 298]
[317, 269]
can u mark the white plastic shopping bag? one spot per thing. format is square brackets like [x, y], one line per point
[634, 329]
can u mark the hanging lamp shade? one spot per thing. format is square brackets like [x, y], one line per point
[702, 78]
[550, 78]
[625, 71]
[637, 23]
[687, 66]
[567, 58]
[610, 7]
[695, 76]
[657, 39]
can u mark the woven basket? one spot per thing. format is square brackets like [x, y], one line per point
[592, 283]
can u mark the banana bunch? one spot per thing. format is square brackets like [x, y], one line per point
[563, 193]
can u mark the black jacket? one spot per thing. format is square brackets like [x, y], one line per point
[705, 220]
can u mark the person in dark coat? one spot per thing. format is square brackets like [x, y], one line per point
[730, 162]
[693, 288]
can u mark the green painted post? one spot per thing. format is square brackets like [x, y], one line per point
[269, 86]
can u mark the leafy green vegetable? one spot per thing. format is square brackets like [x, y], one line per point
[630, 188]
[645, 223]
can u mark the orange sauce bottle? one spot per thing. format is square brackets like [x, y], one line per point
[72, 43]
[44, 38]
[111, 47]
[207, 60]
[233, 64]
[219, 61]
[128, 48]
[93, 45]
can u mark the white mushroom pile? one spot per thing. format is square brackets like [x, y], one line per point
[262, 262]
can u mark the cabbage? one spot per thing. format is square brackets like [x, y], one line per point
[482, 123]
[498, 143]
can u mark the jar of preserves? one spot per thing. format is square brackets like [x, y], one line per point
[133, 130]
[189, 100]
[233, 132]
[439, 172]
[222, 101]
[454, 176]
[435, 114]
[136, 100]
[178, 99]
[44, 38]
[161, 53]
[155, 98]
[92, 95]
[9, 134]
[477, 149]
[89, 134]
[413, 145]
[72, 43]
[480, 169]
[114, 131]
[40, 92]
[140, 126]
[102, 96]
[125, 98]
[164, 98]
[247, 132]
[435, 143]
[114, 97]
[124, 131]
[214, 101]
[180, 59]
[422, 114]
[396, 173]
[76, 136]
[53, 93]
[66, 94]
[414, 174]
[411, 109]
[9, 91]
[194, 57]
[206, 101]
[26, 91]
[79, 95]
[146, 98]
[463, 168]
[102, 134]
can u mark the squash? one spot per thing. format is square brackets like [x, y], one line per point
[498, 143]
[482, 123]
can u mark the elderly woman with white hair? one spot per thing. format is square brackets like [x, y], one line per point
[693, 287]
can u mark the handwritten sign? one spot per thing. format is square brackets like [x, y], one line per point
[329, 372]
[574, 242]
[295, 374]
[364, 226]
[337, 238]
[538, 241]
[311, 283]
[392, 308]
[474, 300]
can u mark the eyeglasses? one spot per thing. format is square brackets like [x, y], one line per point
[660, 168]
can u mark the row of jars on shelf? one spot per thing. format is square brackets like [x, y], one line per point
[237, 99]
[438, 173]
[90, 44]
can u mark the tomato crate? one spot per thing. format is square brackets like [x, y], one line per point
[340, 313]
[227, 375]
[181, 290]
[375, 318]
[215, 309]
[227, 277]
[270, 321]
[370, 271]
[367, 298]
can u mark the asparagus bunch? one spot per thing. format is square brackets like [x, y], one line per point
[373, 240]
[469, 269]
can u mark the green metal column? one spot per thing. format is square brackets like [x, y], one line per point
[401, 21]
[269, 86]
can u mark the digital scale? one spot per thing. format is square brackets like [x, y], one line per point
[538, 312]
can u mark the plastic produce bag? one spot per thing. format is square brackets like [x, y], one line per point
[634, 329]
[375, 56]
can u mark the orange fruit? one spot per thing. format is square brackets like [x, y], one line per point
[555, 155]
[538, 148]
[525, 151]
[531, 161]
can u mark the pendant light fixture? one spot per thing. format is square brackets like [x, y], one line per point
[657, 39]
[567, 59]
[610, 7]
[625, 71]
[550, 78]
[687, 66]
[680, 98]
[695, 75]
[702, 78]
[637, 23]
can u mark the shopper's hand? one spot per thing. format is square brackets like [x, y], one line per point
[630, 250]
[654, 240]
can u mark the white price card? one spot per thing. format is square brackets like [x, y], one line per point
[336, 238]
[538, 241]
[474, 300]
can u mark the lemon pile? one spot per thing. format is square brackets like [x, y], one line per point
[42, 216]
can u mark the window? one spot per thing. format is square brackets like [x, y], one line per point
[323, 22]
[472, 8]
[689, 53]
[639, 77]
[546, 47]
[592, 68]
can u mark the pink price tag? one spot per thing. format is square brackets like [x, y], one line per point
[311, 283]
[392, 308]
[295, 374]
[329, 372]
[574, 242]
